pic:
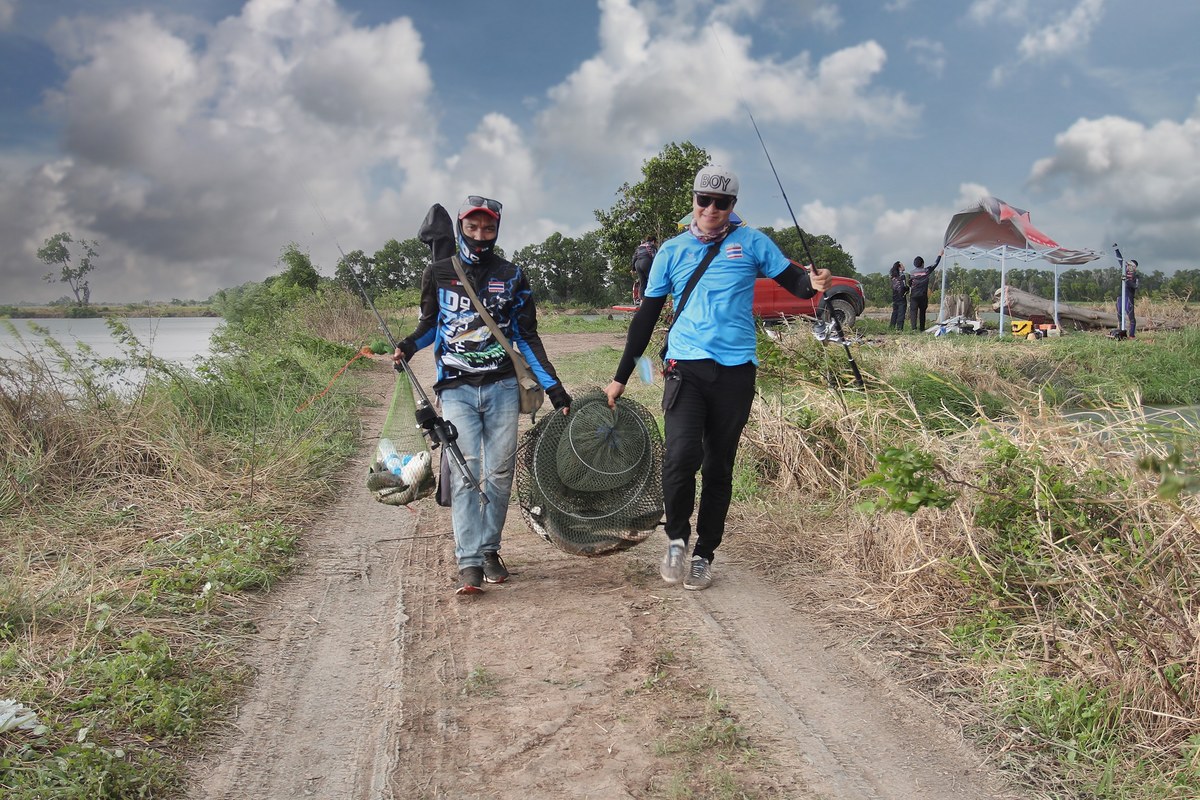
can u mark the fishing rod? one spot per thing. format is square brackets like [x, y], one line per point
[823, 307]
[440, 432]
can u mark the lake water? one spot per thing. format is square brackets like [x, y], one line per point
[182, 340]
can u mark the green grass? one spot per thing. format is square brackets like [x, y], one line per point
[707, 748]
[481, 682]
[133, 528]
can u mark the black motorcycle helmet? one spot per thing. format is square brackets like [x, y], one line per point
[475, 249]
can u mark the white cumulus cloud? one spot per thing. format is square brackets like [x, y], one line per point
[193, 159]
[1067, 34]
[1143, 180]
[646, 86]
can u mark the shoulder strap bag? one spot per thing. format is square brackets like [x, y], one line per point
[532, 393]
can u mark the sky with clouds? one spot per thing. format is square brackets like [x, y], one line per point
[193, 141]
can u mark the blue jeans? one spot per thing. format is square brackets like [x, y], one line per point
[486, 418]
[1130, 319]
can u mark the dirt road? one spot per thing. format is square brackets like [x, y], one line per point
[578, 678]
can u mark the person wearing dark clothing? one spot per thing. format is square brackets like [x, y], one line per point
[1126, 320]
[899, 295]
[643, 257]
[918, 291]
[476, 380]
[711, 360]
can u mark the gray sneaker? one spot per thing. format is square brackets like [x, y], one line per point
[494, 570]
[674, 563]
[699, 575]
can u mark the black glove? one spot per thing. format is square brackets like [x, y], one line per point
[558, 396]
[408, 347]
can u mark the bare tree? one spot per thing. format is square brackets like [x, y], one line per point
[55, 251]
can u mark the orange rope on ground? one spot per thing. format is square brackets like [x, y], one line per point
[365, 351]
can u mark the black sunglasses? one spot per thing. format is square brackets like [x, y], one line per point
[723, 203]
[475, 201]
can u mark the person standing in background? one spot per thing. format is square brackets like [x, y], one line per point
[1126, 320]
[899, 295]
[918, 291]
[643, 257]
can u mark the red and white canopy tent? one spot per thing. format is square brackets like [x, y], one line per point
[993, 229]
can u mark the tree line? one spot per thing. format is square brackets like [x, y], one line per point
[594, 270]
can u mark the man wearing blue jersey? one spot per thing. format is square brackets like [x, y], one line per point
[710, 361]
[476, 381]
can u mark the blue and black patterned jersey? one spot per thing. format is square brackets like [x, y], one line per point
[465, 350]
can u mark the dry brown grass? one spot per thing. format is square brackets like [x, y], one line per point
[1093, 579]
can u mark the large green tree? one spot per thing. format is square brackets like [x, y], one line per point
[652, 205]
[56, 251]
[299, 271]
[355, 268]
[566, 270]
[398, 265]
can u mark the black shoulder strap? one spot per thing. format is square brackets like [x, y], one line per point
[687, 290]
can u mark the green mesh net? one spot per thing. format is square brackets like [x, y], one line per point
[401, 436]
[590, 483]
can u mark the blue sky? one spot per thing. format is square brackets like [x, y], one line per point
[193, 140]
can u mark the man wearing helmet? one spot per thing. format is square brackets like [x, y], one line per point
[710, 361]
[476, 382]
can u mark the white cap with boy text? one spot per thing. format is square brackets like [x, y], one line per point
[715, 179]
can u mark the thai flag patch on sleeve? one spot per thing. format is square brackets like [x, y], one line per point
[733, 251]
[495, 286]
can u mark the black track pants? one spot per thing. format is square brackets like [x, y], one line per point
[916, 310]
[706, 410]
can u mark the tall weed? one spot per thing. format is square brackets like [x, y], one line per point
[131, 526]
[1054, 560]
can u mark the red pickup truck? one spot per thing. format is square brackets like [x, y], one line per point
[773, 303]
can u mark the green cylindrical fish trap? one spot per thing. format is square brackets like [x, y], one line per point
[590, 483]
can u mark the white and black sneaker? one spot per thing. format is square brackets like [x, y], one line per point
[674, 563]
[699, 574]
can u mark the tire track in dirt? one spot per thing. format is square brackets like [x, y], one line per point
[859, 736]
[319, 719]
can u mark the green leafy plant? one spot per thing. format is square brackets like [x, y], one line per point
[481, 682]
[906, 477]
[1177, 474]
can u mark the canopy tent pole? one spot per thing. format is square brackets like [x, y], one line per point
[1003, 287]
[1057, 324]
[942, 299]
[1121, 316]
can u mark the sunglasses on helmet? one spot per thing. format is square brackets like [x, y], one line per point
[475, 202]
[723, 203]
